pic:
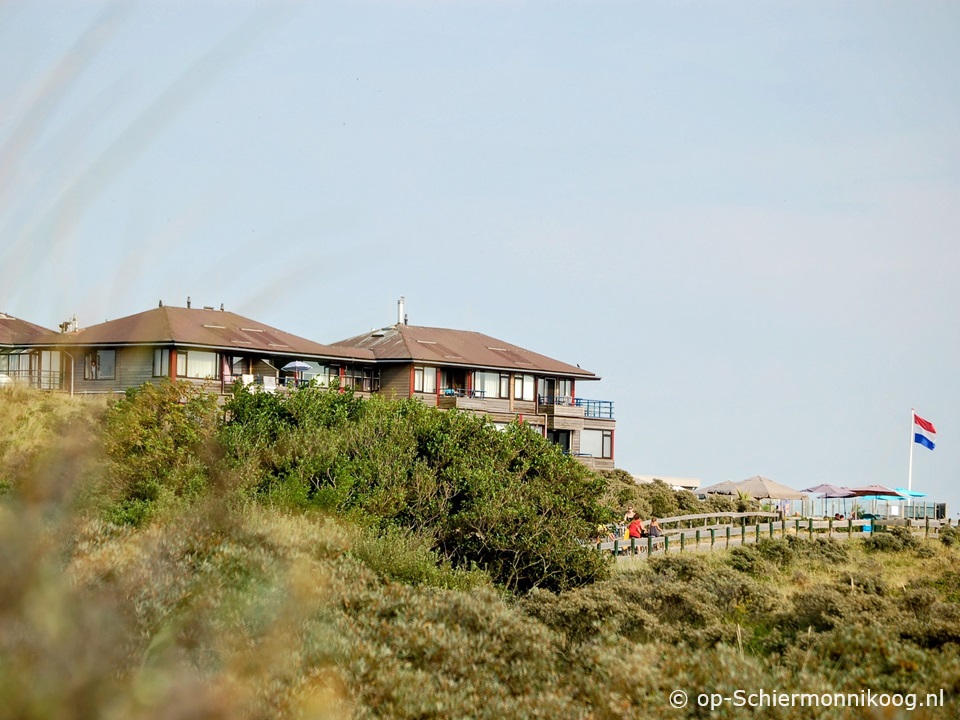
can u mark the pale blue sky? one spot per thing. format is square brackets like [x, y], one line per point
[743, 216]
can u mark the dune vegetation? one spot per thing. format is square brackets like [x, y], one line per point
[317, 555]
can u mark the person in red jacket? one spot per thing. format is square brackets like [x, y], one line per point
[635, 528]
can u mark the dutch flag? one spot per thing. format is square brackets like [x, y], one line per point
[928, 433]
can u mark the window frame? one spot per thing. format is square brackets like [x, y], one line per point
[92, 370]
[183, 363]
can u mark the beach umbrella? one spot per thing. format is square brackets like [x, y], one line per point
[727, 487]
[763, 488]
[296, 366]
[875, 492]
[826, 491]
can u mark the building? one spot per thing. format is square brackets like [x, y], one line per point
[448, 369]
[205, 346]
[16, 360]
[470, 371]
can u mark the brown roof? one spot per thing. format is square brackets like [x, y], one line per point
[440, 346]
[216, 329]
[18, 332]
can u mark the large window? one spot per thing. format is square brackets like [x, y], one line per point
[597, 443]
[364, 379]
[198, 364]
[100, 365]
[523, 387]
[161, 363]
[425, 379]
[491, 384]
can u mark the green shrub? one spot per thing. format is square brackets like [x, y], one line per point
[950, 535]
[893, 539]
[159, 442]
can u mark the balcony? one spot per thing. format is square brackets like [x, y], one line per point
[38, 379]
[576, 407]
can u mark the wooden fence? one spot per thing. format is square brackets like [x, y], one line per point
[734, 529]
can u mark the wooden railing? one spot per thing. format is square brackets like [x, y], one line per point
[737, 531]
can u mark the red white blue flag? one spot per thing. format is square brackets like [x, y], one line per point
[927, 434]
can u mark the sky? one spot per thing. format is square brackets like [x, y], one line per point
[742, 216]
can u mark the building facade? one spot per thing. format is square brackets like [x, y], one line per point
[443, 368]
[477, 373]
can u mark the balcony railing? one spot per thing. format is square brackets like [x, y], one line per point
[38, 379]
[601, 409]
[463, 392]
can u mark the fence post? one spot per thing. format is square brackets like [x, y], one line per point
[926, 532]
[796, 527]
[849, 528]
[649, 545]
[758, 529]
[743, 534]
[616, 547]
[682, 536]
[771, 529]
[666, 544]
[728, 536]
[698, 538]
[810, 526]
[830, 527]
[713, 537]
[633, 546]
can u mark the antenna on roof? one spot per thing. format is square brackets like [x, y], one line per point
[161, 304]
[188, 302]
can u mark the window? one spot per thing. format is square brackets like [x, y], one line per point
[425, 379]
[597, 443]
[100, 365]
[523, 387]
[161, 363]
[491, 384]
[364, 379]
[198, 364]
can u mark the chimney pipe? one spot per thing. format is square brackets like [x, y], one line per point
[400, 315]
[188, 302]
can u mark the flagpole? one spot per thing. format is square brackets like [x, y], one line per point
[913, 414]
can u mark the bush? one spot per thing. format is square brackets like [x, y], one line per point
[507, 502]
[894, 539]
[159, 442]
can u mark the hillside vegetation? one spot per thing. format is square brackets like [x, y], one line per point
[322, 556]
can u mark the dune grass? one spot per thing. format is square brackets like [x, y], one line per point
[222, 605]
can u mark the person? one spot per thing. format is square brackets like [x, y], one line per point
[604, 534]
[629, 515]
[635, 529]
[655, 530]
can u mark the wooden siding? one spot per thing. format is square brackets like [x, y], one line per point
[565, 423]
[395, 381]
[569, 411]
[525, 407]
[599, 424]
[133, 367]
[262, 367]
